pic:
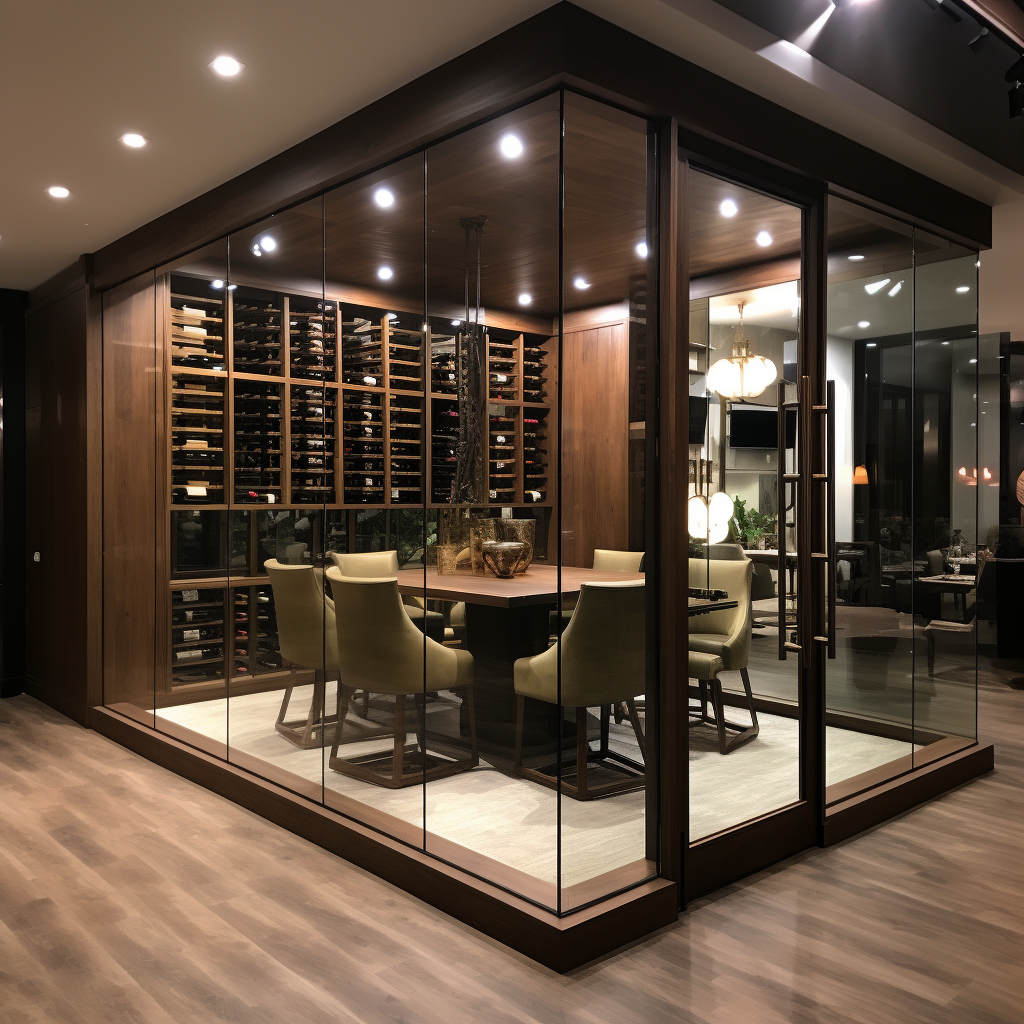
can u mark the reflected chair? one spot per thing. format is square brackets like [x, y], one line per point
[308, 639]
[724, 637]
[762, 585]
[381, 650]
[605, 560]
[602, 664]
[378, 564]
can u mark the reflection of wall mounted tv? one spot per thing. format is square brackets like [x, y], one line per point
[752, 426]
[698, 419]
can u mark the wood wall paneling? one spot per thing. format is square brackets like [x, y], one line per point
[132, 477]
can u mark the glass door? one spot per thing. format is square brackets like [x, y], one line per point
[747, 555]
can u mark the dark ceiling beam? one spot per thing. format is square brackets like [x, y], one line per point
[1003, 15]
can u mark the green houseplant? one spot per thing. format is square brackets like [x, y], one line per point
[750, 526]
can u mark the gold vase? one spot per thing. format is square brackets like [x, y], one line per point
[522, 530]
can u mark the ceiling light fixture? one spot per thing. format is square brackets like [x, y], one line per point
[876, 286]
[728, 208]
[581, 283]
[256, 250]
[742, 375]
[972, 361]
[385, 273]
[133, 140]
[863, 323]
[525, 299]
[217, 284]
[511, 147]
[641, 250]
[456, 323]
[225, 66]
[763, 239]
[59, 191]
[384, 197]
[895, 289]
[708, 519]
[871, 344]
[392, 316]
[267, 244]
[963, 289]
[855, 257]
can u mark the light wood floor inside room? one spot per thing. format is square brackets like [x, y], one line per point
[129, 894]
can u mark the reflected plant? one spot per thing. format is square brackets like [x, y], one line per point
[749, 526]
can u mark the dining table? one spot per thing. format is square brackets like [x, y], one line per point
[508, 619]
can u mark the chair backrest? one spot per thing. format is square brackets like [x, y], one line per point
[936, 562]
[305, 617]
[726, 552]
[735, 579]
[609, 560]
[368, 564]
[380, 648]
[602, 648]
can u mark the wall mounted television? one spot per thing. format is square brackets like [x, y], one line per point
[757, 426]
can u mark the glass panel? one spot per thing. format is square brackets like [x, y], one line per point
[946, 490]
[492, 250]
[869, 685]
[373, 771]
[194, 655]
[744, 310]
[608, 821]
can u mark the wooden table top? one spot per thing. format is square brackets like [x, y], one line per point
[698, 606]
[538, 585]
[949, 580]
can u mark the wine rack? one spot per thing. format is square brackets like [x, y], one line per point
[502, 448]
[362, 353]
[535, 454]
[197, 439]
[197, 635]
[443, 448]
[255, 643]
[257, 332]
[443, 376]
[404, 357]
[312, 338]
[364, 447]
[534, 379]
[197, 328]
[503, 361]
[314, 412]
[258, 437]
[405, 449]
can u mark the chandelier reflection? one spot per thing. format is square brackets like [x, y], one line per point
[742, 375]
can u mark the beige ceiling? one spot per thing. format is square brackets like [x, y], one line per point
[74, 77]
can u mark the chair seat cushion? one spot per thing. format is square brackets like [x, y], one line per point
[702, 665]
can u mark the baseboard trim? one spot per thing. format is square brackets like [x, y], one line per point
[858, 813]
[559, 943]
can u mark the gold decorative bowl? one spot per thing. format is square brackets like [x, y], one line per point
[503, 557]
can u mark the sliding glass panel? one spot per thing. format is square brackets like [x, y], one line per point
[492, 255]
[608, 822]
[948, 478]
[194, 639]
[377, 539]
[744, 330]
[870, 358]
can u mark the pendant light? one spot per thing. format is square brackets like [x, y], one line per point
[708, 519]
[742, 375]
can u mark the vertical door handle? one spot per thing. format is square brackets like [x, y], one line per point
[830, 511]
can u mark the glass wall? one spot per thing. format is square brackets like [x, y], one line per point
[903, 353]
[406, 434]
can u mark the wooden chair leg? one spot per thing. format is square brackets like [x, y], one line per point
[634, 720]
[606, 714]
[471, 708]
[398, 758]
[520, 714]
[745, 676]
[582, 751]
[344, 697]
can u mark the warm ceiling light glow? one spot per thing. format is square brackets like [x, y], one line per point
[133, 140]
[385, 273]
[876, 286]
[709, 522]
[59, 191]
[267, 244]
[895, 289]
[742, 375]
[456, 323]
[641, 250]
[581, 283]
[963, 290]
[384, 197]
[728, 208]
[525, 299]
[863, 323]
[763, 239]
[225, 66]
[218, 284]
[860, 475]
[855, 257]
[511, 147]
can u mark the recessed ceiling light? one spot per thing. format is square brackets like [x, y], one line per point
[511, 147]
[256, 250]
[267, 244]
[728, 208]
[945, 343]
[525, 299]
[392, 316]
[59, 191]
[218, 284]
[581, 283]
[855, 257]
[871, 344]
[972, 361]
[225, 66]
[763, 239]
[895, 289]
[385, 273]
[977, 263]
[133, 140]
[876, 286]
[456, 323]
[384, 197]
[232, 287]
[641, 250]
[863, 323]
[963, 289]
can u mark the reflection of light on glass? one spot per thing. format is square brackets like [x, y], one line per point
[876, 286]
[806, 38]
[860, 475]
